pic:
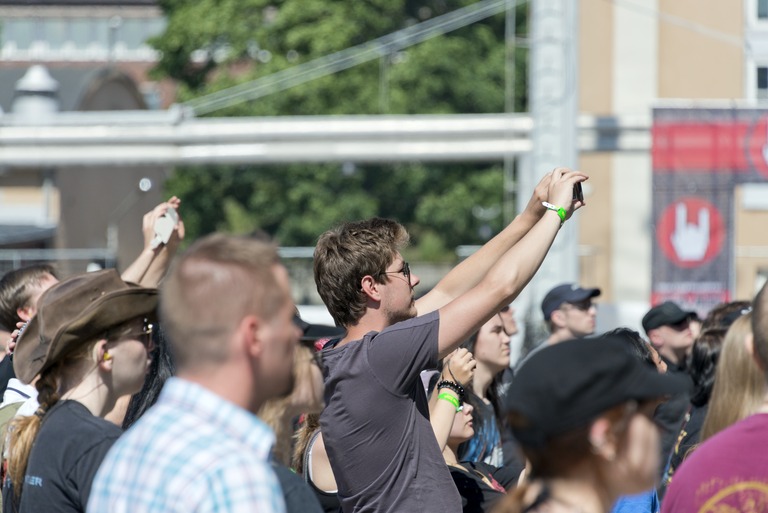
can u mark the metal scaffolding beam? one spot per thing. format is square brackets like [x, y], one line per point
[118, 139]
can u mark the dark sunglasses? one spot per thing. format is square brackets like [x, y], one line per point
[582, 305]
[682, 325]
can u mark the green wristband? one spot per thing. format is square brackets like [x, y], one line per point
[448, 397]
[560, 211]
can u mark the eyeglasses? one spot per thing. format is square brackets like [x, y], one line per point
[406, 271]
[144, 336]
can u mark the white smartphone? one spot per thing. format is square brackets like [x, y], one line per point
[164, 227]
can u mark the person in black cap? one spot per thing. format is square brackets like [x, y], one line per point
[669, 329]
[569, 312]
[729, 471]
[582, 413]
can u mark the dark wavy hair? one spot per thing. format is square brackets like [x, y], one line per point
[724, 314]
[634, 344]
[702, 363]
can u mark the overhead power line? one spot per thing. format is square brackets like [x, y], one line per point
[693, 26]
[349, 57]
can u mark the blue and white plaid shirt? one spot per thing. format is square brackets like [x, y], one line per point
[192, 451]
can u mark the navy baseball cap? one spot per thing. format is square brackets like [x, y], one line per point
[565, 293]
[665, 314]
[566, 386]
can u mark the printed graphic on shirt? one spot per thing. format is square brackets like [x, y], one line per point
[740, 495]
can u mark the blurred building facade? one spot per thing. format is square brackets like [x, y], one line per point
[97, 59]
[635, 56]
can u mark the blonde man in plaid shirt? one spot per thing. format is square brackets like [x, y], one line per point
[227, 309]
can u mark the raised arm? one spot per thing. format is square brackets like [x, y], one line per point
[507, 277]
[165, 253]
[458, 368]
[469, 272]
[152, 263]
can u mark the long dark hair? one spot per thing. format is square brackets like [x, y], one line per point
[633, 343]
[160, 370]
[702, 363]
[492, 395]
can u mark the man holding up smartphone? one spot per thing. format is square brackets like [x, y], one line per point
[376, 423]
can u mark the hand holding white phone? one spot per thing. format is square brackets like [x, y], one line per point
[164, 227]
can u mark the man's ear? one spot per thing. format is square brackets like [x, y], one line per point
[370, 287]
[602, 439]
[557, 318]
[250, 336]
[25, 313]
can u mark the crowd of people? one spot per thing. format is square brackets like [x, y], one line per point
[190, 383]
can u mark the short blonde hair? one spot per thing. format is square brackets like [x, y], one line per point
[216, 283]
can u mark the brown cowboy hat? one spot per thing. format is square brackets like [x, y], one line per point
[74, 311]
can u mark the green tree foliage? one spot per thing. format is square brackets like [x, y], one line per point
[213, 44]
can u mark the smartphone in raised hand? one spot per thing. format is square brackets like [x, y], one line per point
[578, 193]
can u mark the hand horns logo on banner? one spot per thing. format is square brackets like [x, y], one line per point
[690, 232]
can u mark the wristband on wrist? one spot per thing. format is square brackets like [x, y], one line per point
[448, 397]
[560, 211]
[453, 386]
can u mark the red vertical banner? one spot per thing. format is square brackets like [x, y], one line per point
[699, 156]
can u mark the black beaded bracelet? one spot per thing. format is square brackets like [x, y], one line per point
[453, 386]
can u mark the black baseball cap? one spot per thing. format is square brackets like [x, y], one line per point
[567, 385]
[665, 314]
[565, 293]
[313, 332]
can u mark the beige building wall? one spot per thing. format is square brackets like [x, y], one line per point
[595, 234]
[705, 60]
[596, 97]
[595, 57]
[697, 57]
[631, 57]
[618, 76]
[751, 247]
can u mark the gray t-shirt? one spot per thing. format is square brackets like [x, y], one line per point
[376, 422]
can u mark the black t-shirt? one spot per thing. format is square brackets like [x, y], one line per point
[476, 495]
[6, 373]
[669, 417]
[514, 461]
[299, 498]
[66, 453]
[687, 439]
